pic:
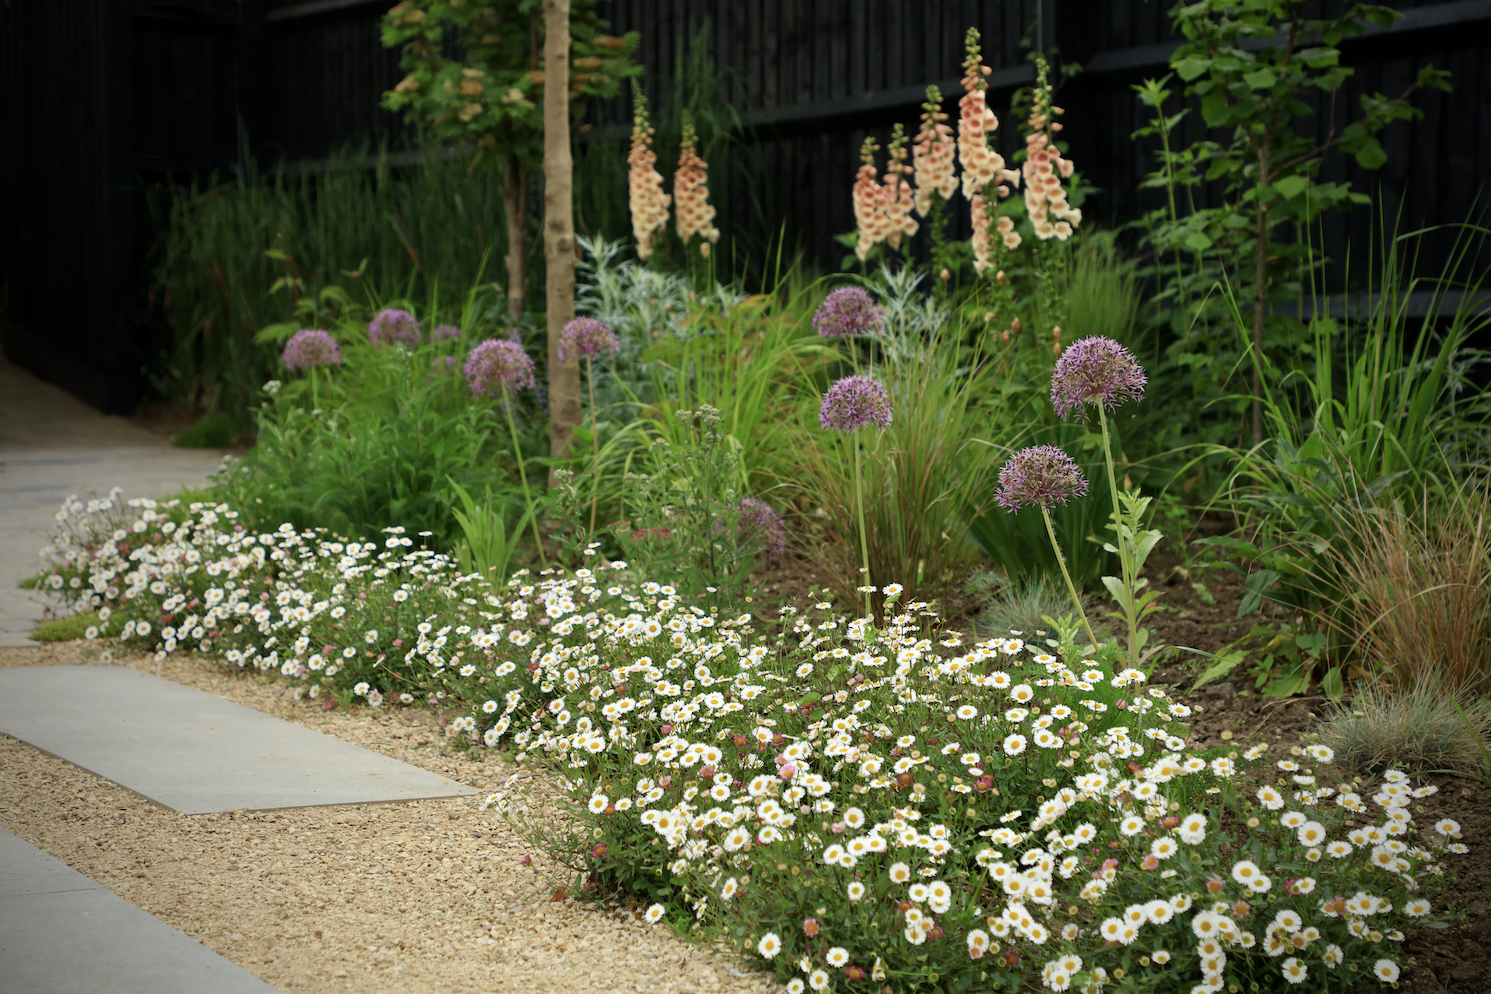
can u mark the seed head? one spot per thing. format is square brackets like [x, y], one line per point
[847, 311]
[310, 348]
[852, 403]
[445, 333]
[391, 326]
[1096, 370]
[1041, 475]
[587, 337]
[495, 366]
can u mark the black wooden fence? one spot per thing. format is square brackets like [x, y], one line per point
[106, 97]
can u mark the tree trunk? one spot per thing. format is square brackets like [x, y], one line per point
[559, 228]
[514, 182]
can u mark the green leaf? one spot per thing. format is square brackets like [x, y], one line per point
[1332, 683]
[1197, 241]
[1260, 79]
[1192, 67]
[1224, 665]
[809, 699]
[1257, 584]
[1291, 186]
[1115, 587]
[1287, 686]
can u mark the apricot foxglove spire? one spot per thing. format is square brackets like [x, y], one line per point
[648, 201]
[692, 212]
[1045, 167]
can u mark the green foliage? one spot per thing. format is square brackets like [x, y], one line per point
[491, 98]
[243, 254]
[682, 514]
[925, 479]
[1253, 66]
[486, 547]
[1281, 661]
[1378, 415]
[395, 433]
[69, 627]
[212, 431]
[1027, 605]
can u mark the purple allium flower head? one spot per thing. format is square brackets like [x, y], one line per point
[445, 333]
[847, 311]
[1095, 370]
[852, 403]
[760, 522]
[585, 338]
[310, 348]
[1041, 475]
[495, 366]
[393, 325]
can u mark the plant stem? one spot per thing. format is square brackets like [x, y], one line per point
[864, 544]
[512, 428]
[595, 440]
[1125, 563]
[1070, 586]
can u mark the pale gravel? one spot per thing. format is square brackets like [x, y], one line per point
[425, 896]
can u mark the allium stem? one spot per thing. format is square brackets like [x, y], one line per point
[864, 543]
[595, 486]
[523, 475]
[1125, 560]
[1070, 586]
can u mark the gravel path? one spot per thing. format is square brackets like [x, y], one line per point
[409, 897]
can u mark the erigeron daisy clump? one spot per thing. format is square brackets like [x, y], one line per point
[860, 803]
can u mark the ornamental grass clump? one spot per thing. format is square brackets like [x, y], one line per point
[853, 403]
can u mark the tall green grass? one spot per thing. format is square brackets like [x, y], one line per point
[378, 233]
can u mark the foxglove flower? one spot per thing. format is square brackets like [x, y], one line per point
[932, 155]
[1039, 476]
[1095, 370]
[1045, 167]
[585, 338]
[445, 333]
[898, 194]
[393, 326]
[760, 522]
[869, 203]
[649, 203]
[985, 178]
[311, 348]
[692, 213]
[854, 402]
[498, 366]
[847, 311]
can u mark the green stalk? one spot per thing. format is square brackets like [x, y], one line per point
[1070, 586]
[523, 475]
[864, 543]
[595, 486]
[1125, 564]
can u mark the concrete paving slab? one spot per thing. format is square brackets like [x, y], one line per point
[195, 753]
[53, 445]
[61, 933]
